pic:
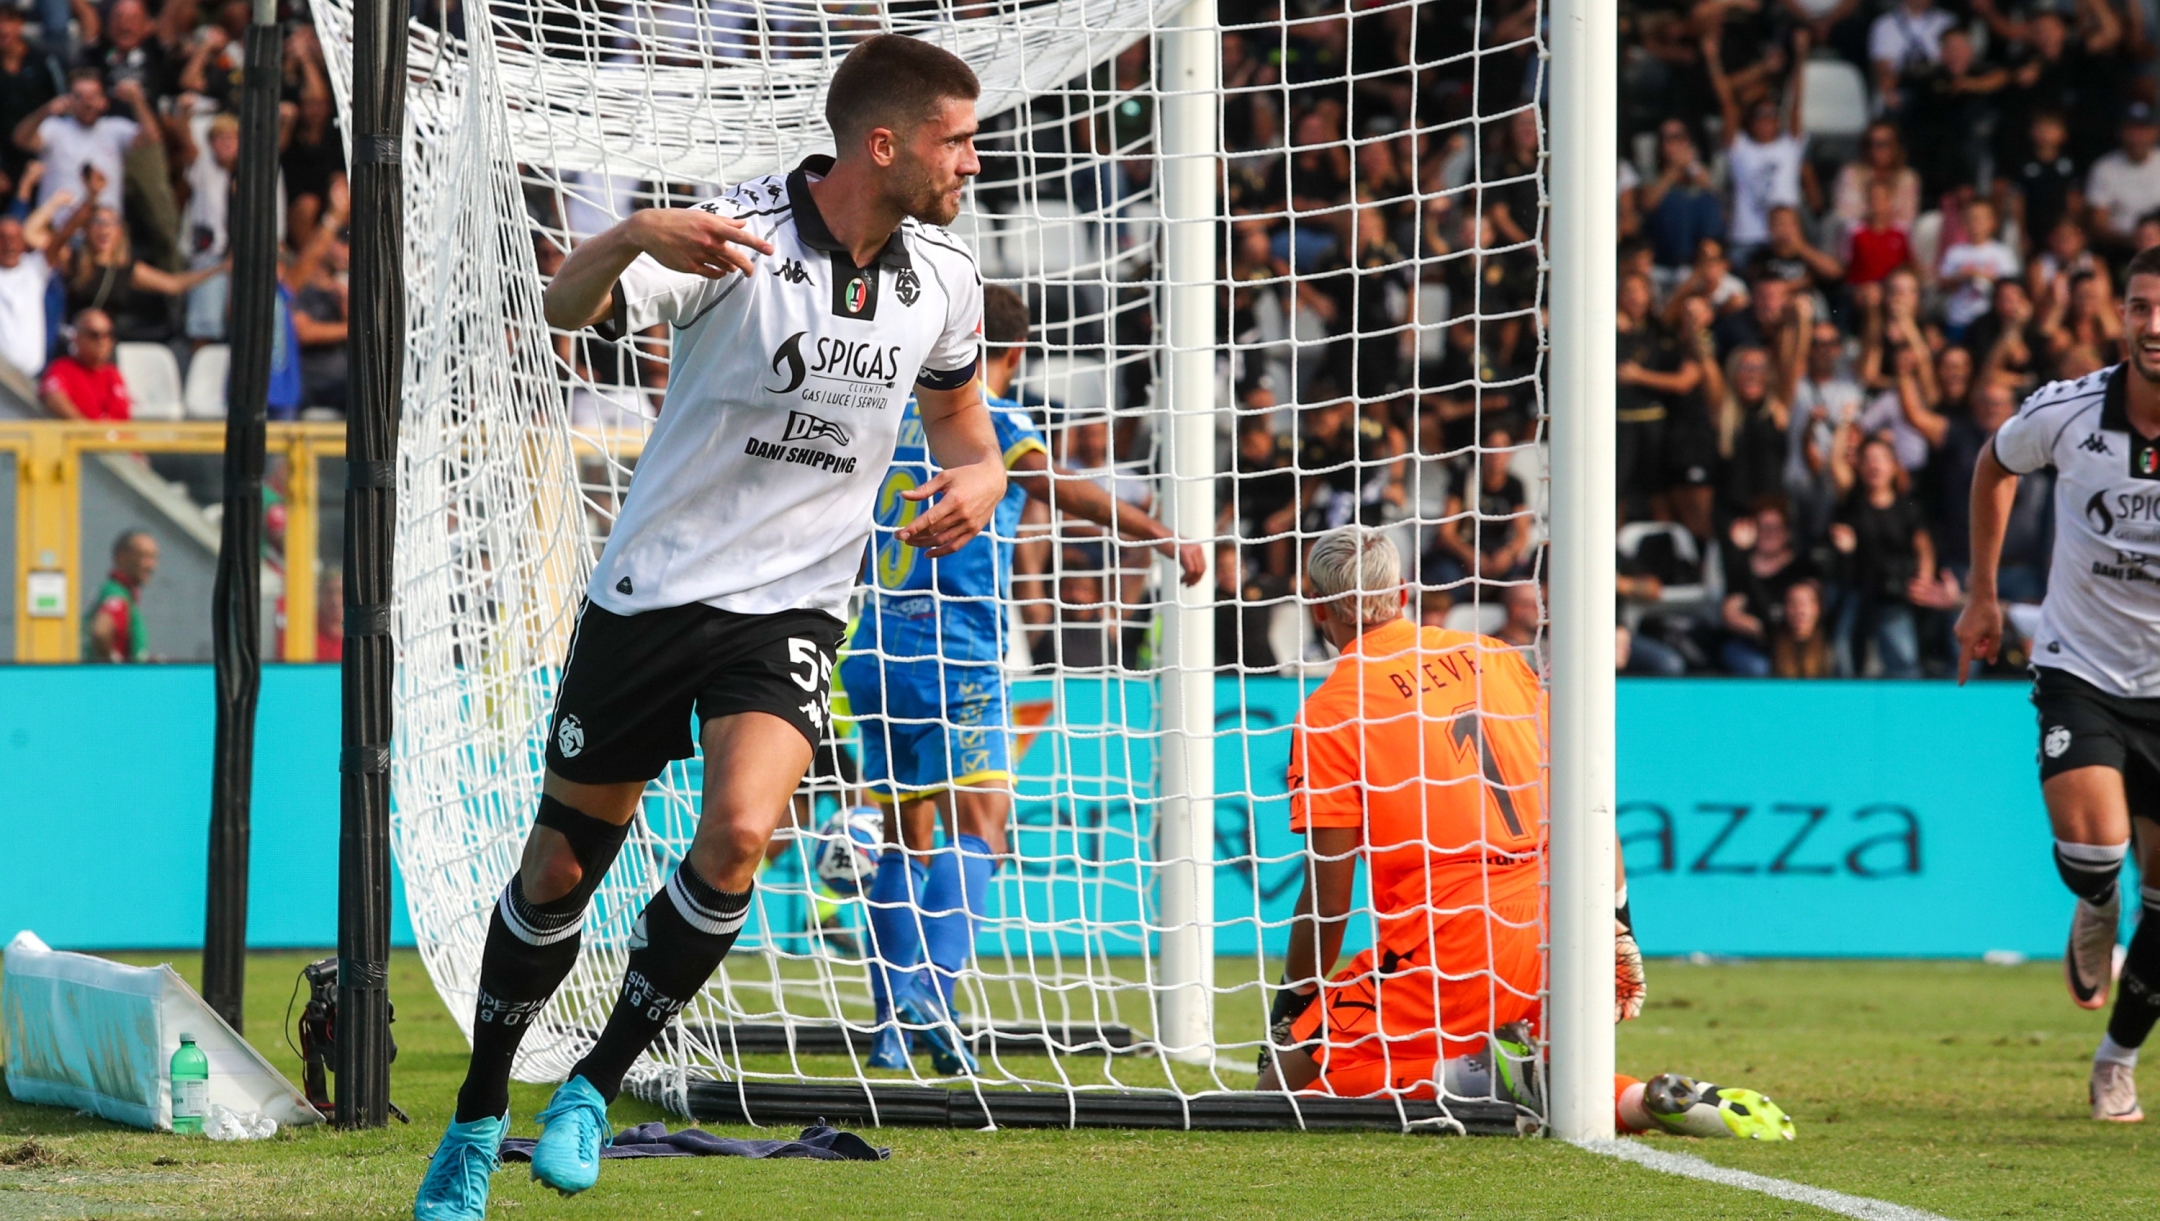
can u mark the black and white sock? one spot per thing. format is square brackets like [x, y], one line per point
[683, 934]
[2089, 870]
[2137, 993]
[529, 952]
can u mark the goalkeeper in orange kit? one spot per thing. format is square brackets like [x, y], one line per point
[1422, 755]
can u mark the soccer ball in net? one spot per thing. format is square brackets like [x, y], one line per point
[848, 850]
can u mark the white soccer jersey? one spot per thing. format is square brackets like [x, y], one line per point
[2101, 620]
[784, 398]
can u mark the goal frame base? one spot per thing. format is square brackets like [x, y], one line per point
[899, 1104]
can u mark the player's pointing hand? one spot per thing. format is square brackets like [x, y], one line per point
[694, 240]
[966, 497]
[1979, 633]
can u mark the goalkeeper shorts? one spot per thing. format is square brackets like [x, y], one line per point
[928, 724]
[1384, 1023]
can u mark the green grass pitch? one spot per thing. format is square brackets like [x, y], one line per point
[1952, 1087]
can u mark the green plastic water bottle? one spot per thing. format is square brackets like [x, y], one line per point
[190, 1086]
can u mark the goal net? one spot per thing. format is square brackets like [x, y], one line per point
[1341, 322]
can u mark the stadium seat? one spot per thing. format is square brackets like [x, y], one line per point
[1081, 385]
[205, 395]
[981, 231]
[1484, 616]
[152, 375]
[1836, 103]
[1048, 241]
[1690, 598]
[1432, 316]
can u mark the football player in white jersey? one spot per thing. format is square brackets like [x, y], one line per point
[2096, 660]
[805, 308]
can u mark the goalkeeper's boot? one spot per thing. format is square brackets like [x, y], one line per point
[1517, 1068]
[574, 1128]
[2089, 962]
[2114, 1093]
[949, 1053]
[456, 1186]
[1686, 1107]
[889, 1049]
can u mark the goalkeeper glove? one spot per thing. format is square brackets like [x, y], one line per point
[1290, 1004]
[1629, 987]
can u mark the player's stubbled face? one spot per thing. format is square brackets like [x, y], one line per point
[2141, 325]
[935, 163]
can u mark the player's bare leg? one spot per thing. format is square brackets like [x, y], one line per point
[753, 763]
[2090, 816]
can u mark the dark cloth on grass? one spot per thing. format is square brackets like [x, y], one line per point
[654, 1140]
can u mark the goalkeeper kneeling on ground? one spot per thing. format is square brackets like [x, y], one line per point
[1421, 756]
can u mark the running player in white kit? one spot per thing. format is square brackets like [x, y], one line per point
[2096, 661]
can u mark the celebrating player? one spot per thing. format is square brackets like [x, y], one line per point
[803, 305]
[2096, 665]
[923, 674]
[1421, 755]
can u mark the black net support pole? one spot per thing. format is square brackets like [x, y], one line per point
[378, 350]
[236, 609]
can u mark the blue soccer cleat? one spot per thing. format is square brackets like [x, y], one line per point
[574, 1130]
[456, 1186]
[949, 1054]
[889, 1049]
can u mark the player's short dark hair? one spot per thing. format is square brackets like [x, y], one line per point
[1005, 317]
[893, 81]
[2145, 262]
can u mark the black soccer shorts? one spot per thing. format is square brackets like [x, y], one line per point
[2084, 726]
[631, 682]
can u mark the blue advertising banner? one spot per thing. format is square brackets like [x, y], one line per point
[1758, 818]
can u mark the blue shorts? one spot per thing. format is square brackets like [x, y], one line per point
[927, 725]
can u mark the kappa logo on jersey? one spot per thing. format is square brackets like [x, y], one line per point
[2095, 443]
[907, 286]
[802, 426]
[570, 737]
[792, 271]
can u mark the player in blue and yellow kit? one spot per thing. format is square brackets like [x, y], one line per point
[923, 677]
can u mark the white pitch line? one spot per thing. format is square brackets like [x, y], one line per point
[1688, 1165]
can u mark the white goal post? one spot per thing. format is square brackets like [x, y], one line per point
[1359, 256]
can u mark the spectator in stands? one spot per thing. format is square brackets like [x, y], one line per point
[318, 288]
[1653, 371]
[314, 153]
[1790, 257]
[113, 627]
[1799, 644]
[208, 174]
[1906, 37]
[74, 134]
[1880, 245]
[330, 617]
[1881, 163]
[1767, 164]
[1754, 421]
[1971, 267]
[1826, 404]
[1946, 111]
[104, 274]
[2125, 184]
[1680, 206]
[2008, 341]
[85, 384]
[2082, 314]
[24, 276]
[1243, 607]
[1897, 367]
[1525, 620]
[1888, 556]
[1485, 532]
[136, 48]
[2047, 181]
[30, 76]
[1771, 563]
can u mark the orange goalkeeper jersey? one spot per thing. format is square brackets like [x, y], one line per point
[1430, 743]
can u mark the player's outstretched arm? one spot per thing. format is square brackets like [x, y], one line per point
[972, 481]
[1980, 627]
[680, 239]
[1087, 500]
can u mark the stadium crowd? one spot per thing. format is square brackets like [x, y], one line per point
[1826, 304]
[118, 144]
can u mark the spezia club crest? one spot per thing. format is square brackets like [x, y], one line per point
[2056, 742]
[570, 737]
[907, 286]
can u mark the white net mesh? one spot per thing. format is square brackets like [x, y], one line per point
[1378, 292]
